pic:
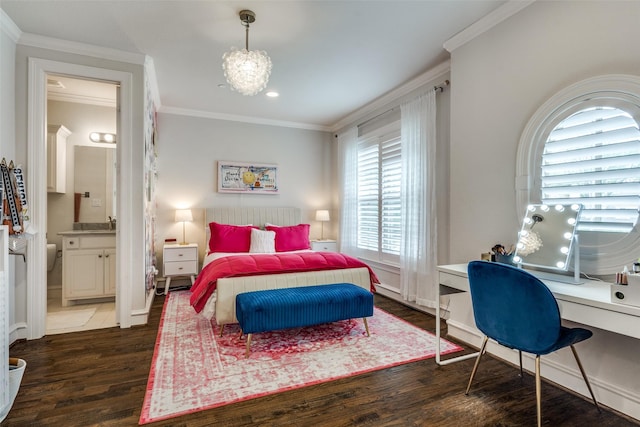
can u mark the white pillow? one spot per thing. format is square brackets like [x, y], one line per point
[263, 241]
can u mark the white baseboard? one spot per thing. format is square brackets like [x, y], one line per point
[17, 331]
[141, 317]
[608, 394]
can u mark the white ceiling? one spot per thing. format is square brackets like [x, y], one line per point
[330, 58]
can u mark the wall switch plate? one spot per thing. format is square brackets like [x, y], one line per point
[96, 202]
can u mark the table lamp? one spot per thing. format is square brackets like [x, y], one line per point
[183, 215]
[322, 215]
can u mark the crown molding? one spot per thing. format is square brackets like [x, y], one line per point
[81, 99]
[9, 27]
[486, 23]
[384, 101]
[243, 119]
[34, 40]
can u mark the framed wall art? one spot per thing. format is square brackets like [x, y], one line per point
[253, 178]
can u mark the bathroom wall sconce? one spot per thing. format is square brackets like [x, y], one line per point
[322, 215]
[109, 138]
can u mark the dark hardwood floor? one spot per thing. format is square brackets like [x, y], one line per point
[99, 378]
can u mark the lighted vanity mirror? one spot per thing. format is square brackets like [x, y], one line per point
[547, 236]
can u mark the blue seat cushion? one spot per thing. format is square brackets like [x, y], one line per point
[274, 309]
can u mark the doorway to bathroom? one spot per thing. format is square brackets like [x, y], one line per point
[81, 204]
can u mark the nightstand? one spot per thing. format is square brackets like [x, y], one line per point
[179, 260]
[324, 245]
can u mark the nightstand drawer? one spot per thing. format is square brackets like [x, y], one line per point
[180, 254]
[180, 267]
[324, 245]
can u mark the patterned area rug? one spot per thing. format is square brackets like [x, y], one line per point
[193, 368]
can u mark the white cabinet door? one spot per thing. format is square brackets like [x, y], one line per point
[109, 272]
[57, 158]
[88, 267]
[84, 275]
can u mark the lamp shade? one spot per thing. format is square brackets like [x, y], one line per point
[183, 215]
[322, 215]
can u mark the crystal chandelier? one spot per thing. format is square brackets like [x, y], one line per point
[246, 71]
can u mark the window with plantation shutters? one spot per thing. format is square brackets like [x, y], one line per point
[379, 180]
[582, 145]
[592, 157]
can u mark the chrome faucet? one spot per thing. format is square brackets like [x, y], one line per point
[112, 223]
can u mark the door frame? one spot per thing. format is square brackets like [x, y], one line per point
[36, 292]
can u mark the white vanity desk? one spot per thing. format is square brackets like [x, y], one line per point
[588, 303]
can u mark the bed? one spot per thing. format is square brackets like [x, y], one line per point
[219, 304]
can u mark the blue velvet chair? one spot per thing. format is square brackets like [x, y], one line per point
[517, 310]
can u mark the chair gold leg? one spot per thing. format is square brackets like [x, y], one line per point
[584, 375]
[538, 392]
[475, 366]
[521, 371]
[248, 345]
[221, 329]
[366, 326]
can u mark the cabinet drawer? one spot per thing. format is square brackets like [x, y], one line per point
[72, 243]
[453, 281]
[324, 246]
[180, 267]
[97, 242]
[180, 254]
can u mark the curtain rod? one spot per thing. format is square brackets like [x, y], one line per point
[440, 87]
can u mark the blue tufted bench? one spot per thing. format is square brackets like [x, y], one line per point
[273, 309]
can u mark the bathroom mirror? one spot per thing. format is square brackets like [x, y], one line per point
[547, 236]
[94, 184]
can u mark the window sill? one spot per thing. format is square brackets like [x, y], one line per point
[386, 266]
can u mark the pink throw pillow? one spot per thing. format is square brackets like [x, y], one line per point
[291, 238]
[229, 238]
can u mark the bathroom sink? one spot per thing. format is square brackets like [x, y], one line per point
[72, 232]
[93, 226]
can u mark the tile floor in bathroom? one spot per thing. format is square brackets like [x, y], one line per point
[104, 317]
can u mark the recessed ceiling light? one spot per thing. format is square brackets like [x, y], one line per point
[272, 94]
[222, 85]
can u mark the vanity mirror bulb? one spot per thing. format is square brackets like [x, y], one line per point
[105, 137]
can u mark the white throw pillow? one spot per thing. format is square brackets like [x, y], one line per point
[263, 241]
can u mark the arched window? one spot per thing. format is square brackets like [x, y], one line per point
[583, 146]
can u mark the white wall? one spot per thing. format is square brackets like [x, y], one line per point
[188, 151]
[499, 80]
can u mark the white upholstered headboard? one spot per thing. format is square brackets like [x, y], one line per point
[254, 216]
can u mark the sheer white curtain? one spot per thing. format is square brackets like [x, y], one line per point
[418, 255]
[348, 172]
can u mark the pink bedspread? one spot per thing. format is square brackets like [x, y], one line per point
[251, 265]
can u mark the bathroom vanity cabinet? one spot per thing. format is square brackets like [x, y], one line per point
[88, 265]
